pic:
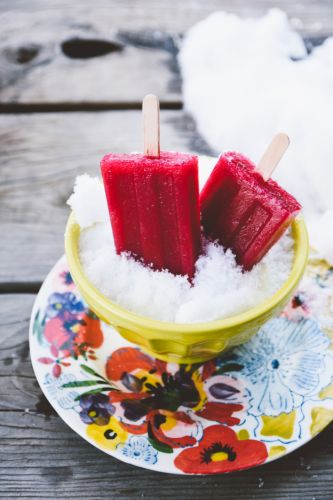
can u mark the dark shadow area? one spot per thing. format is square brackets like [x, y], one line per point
[84, 48]
[24, 54]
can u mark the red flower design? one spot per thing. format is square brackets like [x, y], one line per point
[221, 451]
[89, 331]
[157, 418]
[160, 399]
[220, 412]
[57, 361]
[128, 359]
[208, 369]
[75, 335]
[57, 335]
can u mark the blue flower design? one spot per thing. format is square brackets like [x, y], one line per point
[53, 386]
[62, 304]
[66, 277]
[284, 364]
[96, 409]
[138, 448]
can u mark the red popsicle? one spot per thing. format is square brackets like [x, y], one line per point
[244, 211]
[154, 204]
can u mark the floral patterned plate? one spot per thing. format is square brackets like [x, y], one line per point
[254, 404]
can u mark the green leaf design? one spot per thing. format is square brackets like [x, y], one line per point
[82, 383]
[93, 391]
[231, 367]
[91, 314]
[164, 448]
[92, 372]
[38, 327]
[36, 323]
[89, 370]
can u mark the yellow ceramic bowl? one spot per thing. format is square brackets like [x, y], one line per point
[185, 343]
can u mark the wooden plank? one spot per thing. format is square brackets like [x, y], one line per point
[40, 156]
[18, 387]
[161, 15]
[122, 76]
[36, 67]
[43, 458]
[70, 58]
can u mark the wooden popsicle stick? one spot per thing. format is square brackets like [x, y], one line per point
[273, 155]
[151, 125]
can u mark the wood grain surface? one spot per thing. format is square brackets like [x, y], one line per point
[140, 39]
[40, 156]
[41, 457]
[62, 66]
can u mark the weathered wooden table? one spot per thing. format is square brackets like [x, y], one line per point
[72, 76]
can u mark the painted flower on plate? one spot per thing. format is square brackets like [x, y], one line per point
[201, 419]
[53, 386]
[314, 297]
[57, 361]
[299, 306]
[61, 305]
[74, 335]
[95, 408]
[66, 278]
[284, 363]
[138, 448]
[165, 400]
[220, 450]
[107, 436]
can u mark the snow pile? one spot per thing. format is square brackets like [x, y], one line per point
[88, 201]
[247, 79]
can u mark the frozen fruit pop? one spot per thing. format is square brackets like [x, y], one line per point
[244, 211]
[154, 202]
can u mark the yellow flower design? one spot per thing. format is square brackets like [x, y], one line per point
[320, 418]
[282, 425]
[275, 451]
[107, 436]
[198, 382]
[243, 434]
[327, 392]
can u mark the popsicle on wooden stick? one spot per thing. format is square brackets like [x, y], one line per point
[243, 208]
[153, 201]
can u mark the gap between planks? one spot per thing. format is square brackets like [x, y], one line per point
[61, 107]
[31, 287]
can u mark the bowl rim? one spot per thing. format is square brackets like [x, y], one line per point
[301, 250]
